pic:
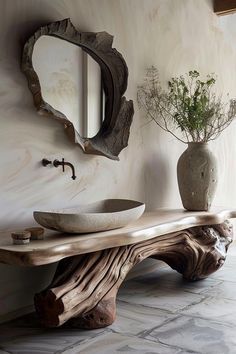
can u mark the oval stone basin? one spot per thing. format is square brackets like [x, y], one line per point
[103, 215]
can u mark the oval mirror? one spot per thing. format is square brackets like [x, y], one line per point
[78, 79]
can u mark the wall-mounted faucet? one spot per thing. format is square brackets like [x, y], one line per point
[62, 163]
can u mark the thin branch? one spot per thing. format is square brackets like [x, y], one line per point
[189, 105]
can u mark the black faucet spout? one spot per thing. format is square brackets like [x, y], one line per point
[72, 168]
[64, 163]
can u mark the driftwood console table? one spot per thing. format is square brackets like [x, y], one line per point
[92, 267]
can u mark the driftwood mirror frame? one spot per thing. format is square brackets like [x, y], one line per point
[114, 132]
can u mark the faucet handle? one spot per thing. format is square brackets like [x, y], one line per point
[46, 162]
[56, 163]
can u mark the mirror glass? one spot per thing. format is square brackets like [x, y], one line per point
[70, 82]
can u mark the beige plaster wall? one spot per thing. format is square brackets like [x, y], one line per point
[175, 35]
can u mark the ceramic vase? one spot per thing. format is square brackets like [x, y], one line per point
[197, 177]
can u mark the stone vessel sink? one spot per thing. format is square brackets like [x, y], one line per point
[104, 215]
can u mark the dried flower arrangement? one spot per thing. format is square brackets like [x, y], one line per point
[188, 105]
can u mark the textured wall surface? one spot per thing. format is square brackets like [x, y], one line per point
[175, 35]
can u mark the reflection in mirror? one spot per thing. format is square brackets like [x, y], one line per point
[70, 82]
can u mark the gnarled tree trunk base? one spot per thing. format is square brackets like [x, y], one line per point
[84, 287]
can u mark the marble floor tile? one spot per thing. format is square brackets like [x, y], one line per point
[111, 343]
[226, 290]
[38, 341]
[171, 279]
[133, 319]
[215, 308]
[153, 295]
[226, 273]
[195, 334]
[232, 249]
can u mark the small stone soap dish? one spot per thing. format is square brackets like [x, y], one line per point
[23, 237]
[20, 237]
[37, 233]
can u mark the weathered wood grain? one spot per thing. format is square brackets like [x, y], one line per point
[84, 288]
[224, 7]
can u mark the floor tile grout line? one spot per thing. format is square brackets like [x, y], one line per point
[150, 307]
[184, 290]
[175, 312]
[180, 348]
[192, 304]
[149, 330]
[158, 326]
[145, 339]
[228, 324]
[163, 343]
[105, 332]
[225, 281]
[71, 346]
[221, 298]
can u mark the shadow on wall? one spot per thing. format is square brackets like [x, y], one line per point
[156, 180]
[27, 281]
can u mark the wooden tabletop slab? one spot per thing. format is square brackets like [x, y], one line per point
[57, 246]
